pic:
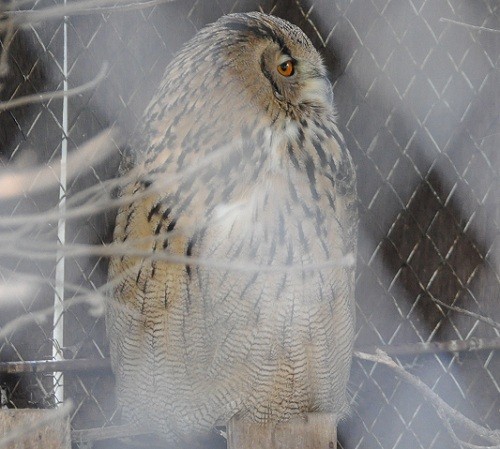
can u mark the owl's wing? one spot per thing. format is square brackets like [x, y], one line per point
[336, 179]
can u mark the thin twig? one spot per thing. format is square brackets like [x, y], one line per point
[474, 315]
[445, 411]
[468, 25]
[47, 96]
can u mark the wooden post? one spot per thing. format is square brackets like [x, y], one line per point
[312, 431]
[30, 429]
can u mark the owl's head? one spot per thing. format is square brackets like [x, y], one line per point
[265, 60]
[279, 58]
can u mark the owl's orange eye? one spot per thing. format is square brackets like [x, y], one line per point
[286, 68]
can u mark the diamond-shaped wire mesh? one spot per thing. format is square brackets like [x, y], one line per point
[416, 87]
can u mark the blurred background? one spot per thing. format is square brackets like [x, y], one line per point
[417, 89]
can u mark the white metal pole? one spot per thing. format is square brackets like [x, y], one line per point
[58, 323]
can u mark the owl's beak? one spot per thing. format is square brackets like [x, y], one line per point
[317, 90]
[278, 95]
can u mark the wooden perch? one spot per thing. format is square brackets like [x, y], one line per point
[313, 431]
[34, 429]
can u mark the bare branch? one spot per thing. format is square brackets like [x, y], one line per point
[476, 316]
[435, 347]
[105, 433]
[444, 411]
[461, 443]
[122, 431]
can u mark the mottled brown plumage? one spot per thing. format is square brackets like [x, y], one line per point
[238, 164]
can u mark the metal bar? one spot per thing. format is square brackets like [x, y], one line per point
[51, 366]
[104, 364]
[58, 320]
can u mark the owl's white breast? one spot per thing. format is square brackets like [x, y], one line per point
[270, 182]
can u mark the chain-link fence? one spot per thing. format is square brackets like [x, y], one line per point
[416, 83]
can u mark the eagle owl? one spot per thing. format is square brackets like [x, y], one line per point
[232, 294]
